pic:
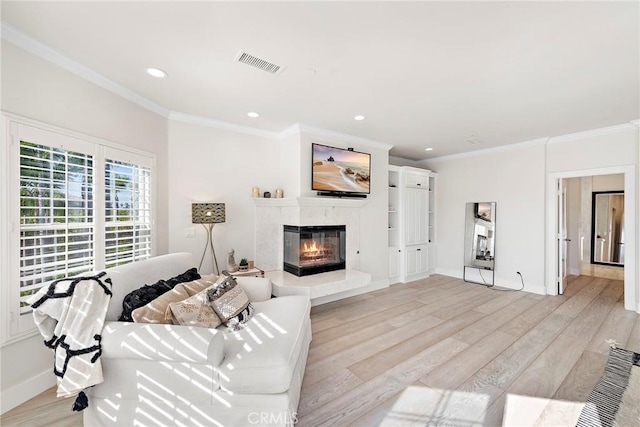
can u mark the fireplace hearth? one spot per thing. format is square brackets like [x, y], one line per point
[314, 249]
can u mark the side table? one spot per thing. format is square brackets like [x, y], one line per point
[252, 272]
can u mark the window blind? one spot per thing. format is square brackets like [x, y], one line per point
[56, 216]
[128, 219]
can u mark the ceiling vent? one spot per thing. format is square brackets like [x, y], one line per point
[259, 63]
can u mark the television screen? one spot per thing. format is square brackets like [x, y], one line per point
[340, 170]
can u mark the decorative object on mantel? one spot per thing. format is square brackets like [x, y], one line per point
[208, 214]
[279, 193]
[244, 264]
[251, 264]
[232, 265]
[267, 195]
[255, 192]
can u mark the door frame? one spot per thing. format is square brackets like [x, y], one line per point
[631, 287]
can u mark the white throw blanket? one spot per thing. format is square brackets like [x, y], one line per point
[70, 314]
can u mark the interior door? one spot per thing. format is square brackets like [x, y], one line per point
[561, 233]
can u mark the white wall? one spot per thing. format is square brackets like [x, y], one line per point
[207, 164]
[38, 90]
[514, 178]
[599, 152]
[374, 235]
[212, 165]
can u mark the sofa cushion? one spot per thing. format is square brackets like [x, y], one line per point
[230, 302]
[148, 293]
[156, 310]
[194, 311]
[261, 357]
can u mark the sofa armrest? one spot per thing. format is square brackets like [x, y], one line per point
[258, 289]
[174, 343]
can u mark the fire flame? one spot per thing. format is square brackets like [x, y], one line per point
[311, 249]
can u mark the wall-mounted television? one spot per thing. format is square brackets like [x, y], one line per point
[338, 171]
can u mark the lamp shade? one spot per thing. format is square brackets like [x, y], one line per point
[207, 213]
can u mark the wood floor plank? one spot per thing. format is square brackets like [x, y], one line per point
[583, 377]
[461, 367]
[341, 360]
[346, 409]
[326, 390]
[385, 358]
[499, 300]
[588, 321]
[495, 320]
[511, 363]
[360, 322]
[617, 326]
[543, 377]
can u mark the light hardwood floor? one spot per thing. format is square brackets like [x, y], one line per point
[441, 351]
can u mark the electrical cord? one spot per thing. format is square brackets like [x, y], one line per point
[484, 281]
[507, 290]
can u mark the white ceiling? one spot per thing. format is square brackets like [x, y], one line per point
[425, 74]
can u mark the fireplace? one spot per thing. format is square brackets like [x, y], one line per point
[314, 249]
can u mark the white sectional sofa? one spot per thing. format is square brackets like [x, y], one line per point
[179, 375]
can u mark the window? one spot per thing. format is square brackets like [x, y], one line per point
[84, 205]
[127, 212]
[56, 216]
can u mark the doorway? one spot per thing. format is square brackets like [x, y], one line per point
[558, 260]
[591, 227]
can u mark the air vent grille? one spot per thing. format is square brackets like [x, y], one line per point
[259, 63]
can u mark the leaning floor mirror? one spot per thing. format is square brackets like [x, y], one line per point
[480, 243]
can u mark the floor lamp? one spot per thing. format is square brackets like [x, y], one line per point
[208, 214]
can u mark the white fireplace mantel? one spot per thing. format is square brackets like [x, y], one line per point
[272, 214]
[310, 202]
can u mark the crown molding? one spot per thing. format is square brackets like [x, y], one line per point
[325, 133]
[291, 130]
[482, 152]
[636, 123]
[31, 45]
[591, 133]
[220, 124]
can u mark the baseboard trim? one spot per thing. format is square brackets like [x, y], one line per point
[20, 393]
[374, 286]
[499, 282]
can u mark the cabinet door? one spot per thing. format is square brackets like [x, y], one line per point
[417, 180]
[412, 261]
[417, 260]
[423, 259]
[394, 261]
[416, 216]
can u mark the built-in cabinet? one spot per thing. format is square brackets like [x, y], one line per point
[412, 241]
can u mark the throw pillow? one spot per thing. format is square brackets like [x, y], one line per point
[230, 302]
[194, 311]
[144, 295]
[200, 285]
[156, 311]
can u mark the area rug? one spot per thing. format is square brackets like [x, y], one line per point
[615, 400]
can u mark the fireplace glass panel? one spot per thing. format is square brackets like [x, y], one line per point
[314, 249]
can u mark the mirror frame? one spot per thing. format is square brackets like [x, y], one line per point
[474, 209]
[594, 194]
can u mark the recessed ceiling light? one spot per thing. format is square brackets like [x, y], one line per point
[253, 114]
[428, 149]
[358, 117]
[157, 72]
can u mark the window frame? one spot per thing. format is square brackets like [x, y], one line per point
[15, 326]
